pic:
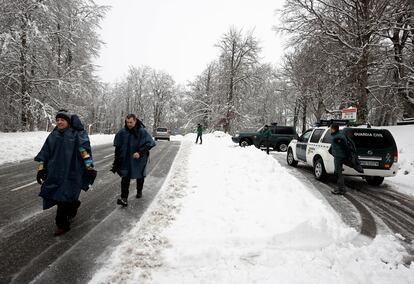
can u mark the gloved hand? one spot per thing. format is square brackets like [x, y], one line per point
[92, 173]
[41, 176]
[115, 166]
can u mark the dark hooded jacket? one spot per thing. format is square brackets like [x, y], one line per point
[127, 142]
[340, 149]
[66, 174]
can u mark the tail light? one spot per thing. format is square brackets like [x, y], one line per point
[395, 156]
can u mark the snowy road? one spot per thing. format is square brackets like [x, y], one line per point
[28, 250]
[379, 208]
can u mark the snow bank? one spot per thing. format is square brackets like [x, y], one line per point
[19, 146]
[404, 136]
[233, 215]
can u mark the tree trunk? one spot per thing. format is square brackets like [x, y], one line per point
[296, 114]
[230, 95]
[304, 111]
[25, 98]
[361, 90]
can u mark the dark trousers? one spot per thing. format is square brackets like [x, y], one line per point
[65, 212]
[267, 144]
[201, 138]
[125, 182]
[339, 162]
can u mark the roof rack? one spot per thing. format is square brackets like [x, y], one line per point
[329, 122]
[406, 121]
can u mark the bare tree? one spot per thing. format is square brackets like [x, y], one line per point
[351, 25]
[239, 55]
[161, 87]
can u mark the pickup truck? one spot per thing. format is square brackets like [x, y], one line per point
[279, 140]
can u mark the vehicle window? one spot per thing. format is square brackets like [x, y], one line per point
[316, 135]
[162, 129]
[371, 138]
[327, 138]
[305, 136]
[285, 130]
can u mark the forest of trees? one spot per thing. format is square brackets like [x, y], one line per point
[46, 50]
[340, 53]
[351, 53]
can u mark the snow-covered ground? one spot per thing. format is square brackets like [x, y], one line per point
[19, 146]
[404, 136]
[233, 215]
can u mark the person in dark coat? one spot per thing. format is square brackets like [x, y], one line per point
[65, 168]
[340, 150]
[132, 145]
[199, 133]
[267, 133]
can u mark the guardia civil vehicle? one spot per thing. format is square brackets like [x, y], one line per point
[376, 150]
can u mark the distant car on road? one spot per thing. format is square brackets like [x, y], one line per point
[279, 140]
[376, 150]
[162, 133]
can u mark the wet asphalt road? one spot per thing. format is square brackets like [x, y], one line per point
[28, 250]
[369, 209]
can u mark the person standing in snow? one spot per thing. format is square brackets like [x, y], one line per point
[199, 133]
[340, 150]
[65, 168]
[266, 137]
[132, 145]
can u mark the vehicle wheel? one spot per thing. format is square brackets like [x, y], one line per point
[319, 169]
[374, 180]
[245, 143]
[282, 147]
[168, 139]
[291, 159]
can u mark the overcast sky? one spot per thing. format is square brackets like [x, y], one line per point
[178, 36]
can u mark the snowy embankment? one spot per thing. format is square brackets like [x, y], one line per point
[233, 215]
[15, 147]
[404, 136]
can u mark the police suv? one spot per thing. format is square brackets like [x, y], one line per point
[376, 150]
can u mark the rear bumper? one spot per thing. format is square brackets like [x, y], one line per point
[373, 172]
[162, 137]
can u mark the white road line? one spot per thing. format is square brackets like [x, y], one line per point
[108, 156]
[23, 186]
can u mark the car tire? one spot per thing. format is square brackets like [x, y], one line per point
[282, 147]
[245, 143]
[374, 180]
[290, 158]
[319, 169]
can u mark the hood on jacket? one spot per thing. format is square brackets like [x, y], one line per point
[76, 123]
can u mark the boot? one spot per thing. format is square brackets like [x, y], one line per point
[337, 192]
[60, 231]
[122, 201]
[139, 194]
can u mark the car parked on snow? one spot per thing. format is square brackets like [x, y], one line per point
[376, 150]
[279, 139]
[162, 133]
